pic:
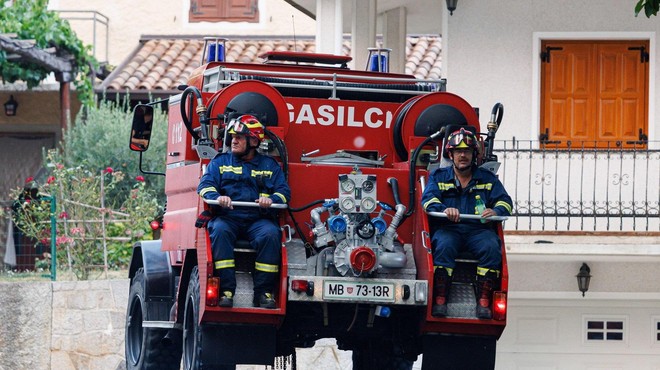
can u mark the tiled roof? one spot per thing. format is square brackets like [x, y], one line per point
[161, 64]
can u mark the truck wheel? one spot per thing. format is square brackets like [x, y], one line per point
[192, 330]
[143, 346]
[369, 358]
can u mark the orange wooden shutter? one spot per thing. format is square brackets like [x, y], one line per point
[224, 10]
[242, 10]
[622, 96]
[594, 92]
[568, 92]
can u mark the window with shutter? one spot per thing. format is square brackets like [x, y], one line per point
[224, 11]
[594, 93]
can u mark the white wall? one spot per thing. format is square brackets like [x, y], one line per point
[490, 53]
[547, 314]
[549, 333]
[131, 19]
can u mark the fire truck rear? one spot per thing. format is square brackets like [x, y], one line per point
[356, 148]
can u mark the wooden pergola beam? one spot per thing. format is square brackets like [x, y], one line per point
[29, 53]
[25, 50]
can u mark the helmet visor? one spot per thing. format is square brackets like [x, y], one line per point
[236, 127]
[461, 139]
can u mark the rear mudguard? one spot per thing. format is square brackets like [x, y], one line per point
[158, 275]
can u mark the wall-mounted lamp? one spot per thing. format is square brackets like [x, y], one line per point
[451, 6]
[583, 278]
[11, 106]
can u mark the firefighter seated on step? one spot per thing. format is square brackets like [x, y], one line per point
[243, 174]
[454, 190]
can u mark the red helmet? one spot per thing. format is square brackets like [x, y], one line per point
[460, 139]
[247, 125]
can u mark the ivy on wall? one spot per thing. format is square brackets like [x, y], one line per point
[30, 19]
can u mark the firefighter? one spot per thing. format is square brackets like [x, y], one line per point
[245, 175]
[454, 190]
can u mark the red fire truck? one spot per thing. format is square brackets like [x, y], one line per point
[356, 148]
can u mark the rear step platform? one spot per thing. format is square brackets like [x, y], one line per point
[462, 297]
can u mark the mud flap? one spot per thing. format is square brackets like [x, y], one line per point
[458, 352]
[238, 344]
[158, 276]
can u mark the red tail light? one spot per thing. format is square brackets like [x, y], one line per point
[363, 259]
[299, 286]
[212, 290]
[303, 286]
[499, 306]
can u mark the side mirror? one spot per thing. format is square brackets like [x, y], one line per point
[143, 119]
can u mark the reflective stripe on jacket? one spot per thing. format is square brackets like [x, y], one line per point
[244, 181]
[444, 191]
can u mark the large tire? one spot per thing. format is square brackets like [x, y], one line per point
[378, 358]
[192, 333]
[143, 346]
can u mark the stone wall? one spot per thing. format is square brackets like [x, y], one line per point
[79, 325]
[25, 325]
[63, 325]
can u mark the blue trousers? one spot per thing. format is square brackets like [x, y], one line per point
[482, 241]
[264, 236]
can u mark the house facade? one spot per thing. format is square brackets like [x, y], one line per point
[579, 145]
[585, 71]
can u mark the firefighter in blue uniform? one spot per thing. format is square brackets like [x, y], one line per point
[454, 190]
[245, 175]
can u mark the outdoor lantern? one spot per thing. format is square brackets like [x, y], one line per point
[451, 6]
[583, 278]
[11, 106]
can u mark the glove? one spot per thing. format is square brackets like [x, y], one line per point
[203, 219]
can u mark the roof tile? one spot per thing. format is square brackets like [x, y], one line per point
[165, 63]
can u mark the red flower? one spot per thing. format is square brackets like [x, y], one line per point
[29, 179]
[108, 170]
[59, 166]
[139, 178]
[50, 179]
[64, 215]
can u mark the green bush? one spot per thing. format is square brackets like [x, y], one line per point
[100, 138]
[95, 159]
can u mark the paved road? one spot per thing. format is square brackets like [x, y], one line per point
[323, 356]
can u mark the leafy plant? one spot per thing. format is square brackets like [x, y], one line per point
[81, 218]
[30, 19]
[100, 138]
[651, 7]
[94, 152]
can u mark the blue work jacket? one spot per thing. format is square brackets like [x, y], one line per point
[244, 181]
[444, 191]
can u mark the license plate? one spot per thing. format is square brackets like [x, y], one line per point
[358, 291]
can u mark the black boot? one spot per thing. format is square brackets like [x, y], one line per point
[226, 299]
[264, 300]
[484, 290]
[441, 284]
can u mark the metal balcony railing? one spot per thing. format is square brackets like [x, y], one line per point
[92, 28]
[583, 187]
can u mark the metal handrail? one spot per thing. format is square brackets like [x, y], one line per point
[247, 204]
[95, 17]
[332, 80]
[468, 216]
[582, 187]
[317, 75]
